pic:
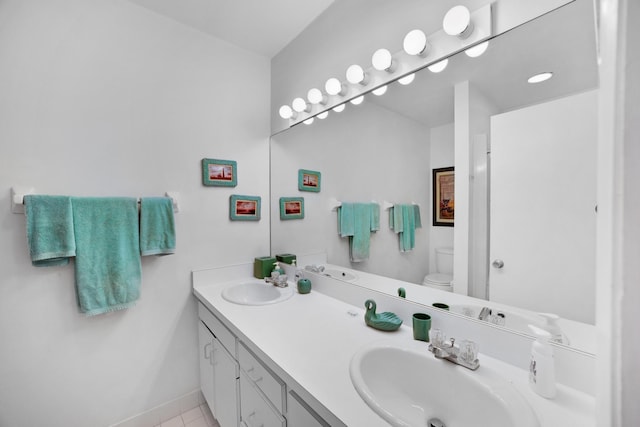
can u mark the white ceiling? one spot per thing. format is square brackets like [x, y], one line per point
[261, 26]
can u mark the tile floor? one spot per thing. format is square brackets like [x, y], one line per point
[200, 416]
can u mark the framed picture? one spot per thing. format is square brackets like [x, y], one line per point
[443, 197]
[291, 207]
[308, 180]
[244, 208]
[219, 173]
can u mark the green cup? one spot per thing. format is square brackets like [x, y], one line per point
[441, 305]
[402, 293]
[421, 326]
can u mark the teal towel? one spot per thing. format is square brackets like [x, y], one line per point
[357, 221]
[404, 219]
[157, 228]
[107, 267]
[49, 229]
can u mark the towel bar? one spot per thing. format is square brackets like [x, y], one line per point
[18, 193]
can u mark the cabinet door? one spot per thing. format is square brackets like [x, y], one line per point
[225, 384]
[255, 410]
[205, 342]
[300, 414]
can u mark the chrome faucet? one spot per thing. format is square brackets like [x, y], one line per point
[276, 279]
[466, 354]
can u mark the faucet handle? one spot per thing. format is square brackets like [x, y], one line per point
[437, 337]
[468, 351]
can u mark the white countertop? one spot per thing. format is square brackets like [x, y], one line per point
[311, 338]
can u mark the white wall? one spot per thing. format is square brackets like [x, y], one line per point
[362, 156]
[106, 98]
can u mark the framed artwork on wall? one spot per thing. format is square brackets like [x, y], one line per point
[219, 173]
[244, 208]
[308, 180]
[291, 207]
[443, 197]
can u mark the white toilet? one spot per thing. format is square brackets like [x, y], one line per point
[443, 276]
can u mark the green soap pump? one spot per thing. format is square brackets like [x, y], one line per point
[277, 268]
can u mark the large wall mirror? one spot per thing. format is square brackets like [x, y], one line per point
[525, 152]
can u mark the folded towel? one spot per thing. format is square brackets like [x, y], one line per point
[49, 229]
[357, 221]
[404, 219]
[107, 267]
[157, 230]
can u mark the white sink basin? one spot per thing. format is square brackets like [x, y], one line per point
[410, 387]
[340, 274]
[256, 292]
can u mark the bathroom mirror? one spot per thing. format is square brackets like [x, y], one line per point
[385, 150]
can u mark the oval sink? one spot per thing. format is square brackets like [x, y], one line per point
[340, 274]
[410, 387]
[256, 292]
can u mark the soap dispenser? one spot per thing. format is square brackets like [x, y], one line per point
[297, 271]
[542, 372]
[277, 268]
[552, 326]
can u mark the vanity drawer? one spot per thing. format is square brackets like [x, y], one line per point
[272, 386]
[254, 409]
[220, 331]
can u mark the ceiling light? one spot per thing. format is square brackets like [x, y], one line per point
[339, 108]
[457, 22]
[380, 91]
[438, 66]
[406, 80]
[300, 105]
[323, 115]
[315, 96]
[477, 50]
[286, 112]
[308, 121]
[333, 86]
[540, 77]
[382, 60]
[415, 43]
[358, 100]
[356, 75]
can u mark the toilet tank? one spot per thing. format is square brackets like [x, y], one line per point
[444, 260]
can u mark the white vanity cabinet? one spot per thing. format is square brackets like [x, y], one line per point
[219, 373]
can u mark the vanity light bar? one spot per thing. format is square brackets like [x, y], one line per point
[462, 30]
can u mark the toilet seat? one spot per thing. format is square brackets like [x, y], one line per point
[438, 279]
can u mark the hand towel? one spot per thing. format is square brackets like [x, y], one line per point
[356, 221]
[404, 219]
[157, 229]
[107, 266]
[49, 229]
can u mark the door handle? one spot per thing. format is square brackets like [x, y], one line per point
[497, 263]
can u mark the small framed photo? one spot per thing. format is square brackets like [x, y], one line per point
[219, 173]
[308, 180]
[244, 208]
[291, 207]
[443, 197]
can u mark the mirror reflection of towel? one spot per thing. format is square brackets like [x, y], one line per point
[404, 219]
[356, 221]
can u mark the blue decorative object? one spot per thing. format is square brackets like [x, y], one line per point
[384, 321]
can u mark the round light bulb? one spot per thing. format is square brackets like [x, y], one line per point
[333, 86]
[356, 75]
[415, 43]
[299, 105]
[380, 91]
[323, 115]
[315, 96]
[339, 108]
[538, 78]
[358, 100]
[477, 50]
[308, 121]
[406, 80]
[286, 112]
[438, 66]
[457, 22]
[382, 60]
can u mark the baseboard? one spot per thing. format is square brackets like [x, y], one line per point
[154, 416]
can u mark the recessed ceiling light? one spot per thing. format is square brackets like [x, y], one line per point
[540, 77]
